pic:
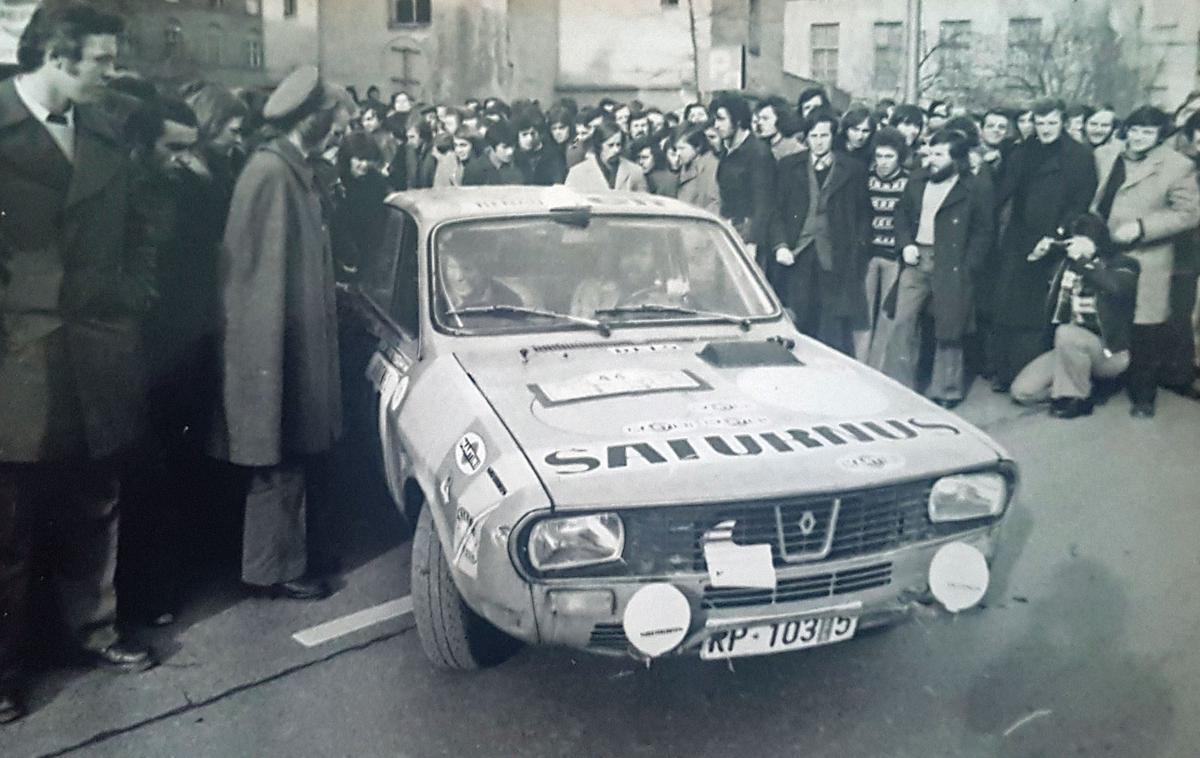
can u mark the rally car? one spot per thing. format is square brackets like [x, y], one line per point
[612, 438]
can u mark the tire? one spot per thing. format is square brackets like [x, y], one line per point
[453, 636]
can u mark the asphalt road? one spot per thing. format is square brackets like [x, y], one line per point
[1088, 645]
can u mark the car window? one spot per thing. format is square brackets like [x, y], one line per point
[377, 269]
[406, 302]
[607, 266]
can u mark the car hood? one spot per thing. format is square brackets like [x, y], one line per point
[644, 424]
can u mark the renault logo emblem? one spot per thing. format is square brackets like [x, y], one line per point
[807, 523]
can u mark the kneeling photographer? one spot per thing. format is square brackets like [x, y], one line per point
[1090, 308]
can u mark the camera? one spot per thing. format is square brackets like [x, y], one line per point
[1059, 243]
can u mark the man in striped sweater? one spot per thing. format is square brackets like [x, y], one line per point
[885, 184]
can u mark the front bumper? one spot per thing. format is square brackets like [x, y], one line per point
[878, 589]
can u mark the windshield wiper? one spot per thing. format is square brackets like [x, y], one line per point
[521, 310]
[741, 321]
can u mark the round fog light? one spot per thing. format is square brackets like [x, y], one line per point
[958, 576]
[657, 618]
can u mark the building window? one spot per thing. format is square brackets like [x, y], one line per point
[252, 7]
[889, 55]
[825, 53]
[254, 56]
[289, 8]
[1024, 34]
[172, 39]
[408, 12]
[670, 3]
[953, 45]
[213, 51]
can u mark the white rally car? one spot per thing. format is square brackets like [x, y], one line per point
[612, 438]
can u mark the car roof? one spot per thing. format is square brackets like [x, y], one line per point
[430, 206]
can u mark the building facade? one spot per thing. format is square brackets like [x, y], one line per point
[449, 50]
[1123, 50]
[182, 40]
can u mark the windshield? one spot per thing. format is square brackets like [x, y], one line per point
[535, 273]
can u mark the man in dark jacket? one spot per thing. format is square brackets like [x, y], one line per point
[281, 400]
[1090, 308]
[745, 175]
[943, 230]
[496, 165]
[70, 355]
[820, 237]
[1051, 180]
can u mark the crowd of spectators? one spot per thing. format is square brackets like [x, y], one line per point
[1040, 247]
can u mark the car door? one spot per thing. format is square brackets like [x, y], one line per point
[394, 315]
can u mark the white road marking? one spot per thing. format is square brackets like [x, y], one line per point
[340, 627]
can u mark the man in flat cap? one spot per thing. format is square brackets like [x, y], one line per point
[280, 410]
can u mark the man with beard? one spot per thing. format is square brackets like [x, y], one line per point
[820, 235]
[1149, 197]
[1050, 180]
[281, 402]
[943, 230]
[70, 356]
[1100, 127]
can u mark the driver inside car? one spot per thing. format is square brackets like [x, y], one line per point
[468, 284]
[627, 279]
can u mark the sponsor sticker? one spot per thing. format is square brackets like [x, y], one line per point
[665, 426]
[720, 406]
[870, 463]
[470, 453]
[611, 383]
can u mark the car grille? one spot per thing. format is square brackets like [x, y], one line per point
[608, 637]
[664, 540]
[802, 588]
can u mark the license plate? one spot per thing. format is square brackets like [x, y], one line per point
[779, 637]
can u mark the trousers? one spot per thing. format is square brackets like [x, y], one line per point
[1179, 361]
[903, 349]
[1067, 370]
[283, 504]
[64, 517]
[869, 343]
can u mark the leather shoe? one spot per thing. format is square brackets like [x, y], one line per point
[1142, 410]
[1190, 391]
[125, 657]
[297, 589]
[1071, 407]
[11, 707]
[949, 403]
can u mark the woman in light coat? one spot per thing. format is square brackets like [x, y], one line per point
[604, 168]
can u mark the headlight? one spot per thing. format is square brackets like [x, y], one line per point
[968, 496]
[577, 541]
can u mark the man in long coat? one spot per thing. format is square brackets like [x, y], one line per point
[281, 400]
[943, 234]
[1050, 181]
[70, 358]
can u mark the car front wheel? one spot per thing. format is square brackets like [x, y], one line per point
[452, 635]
